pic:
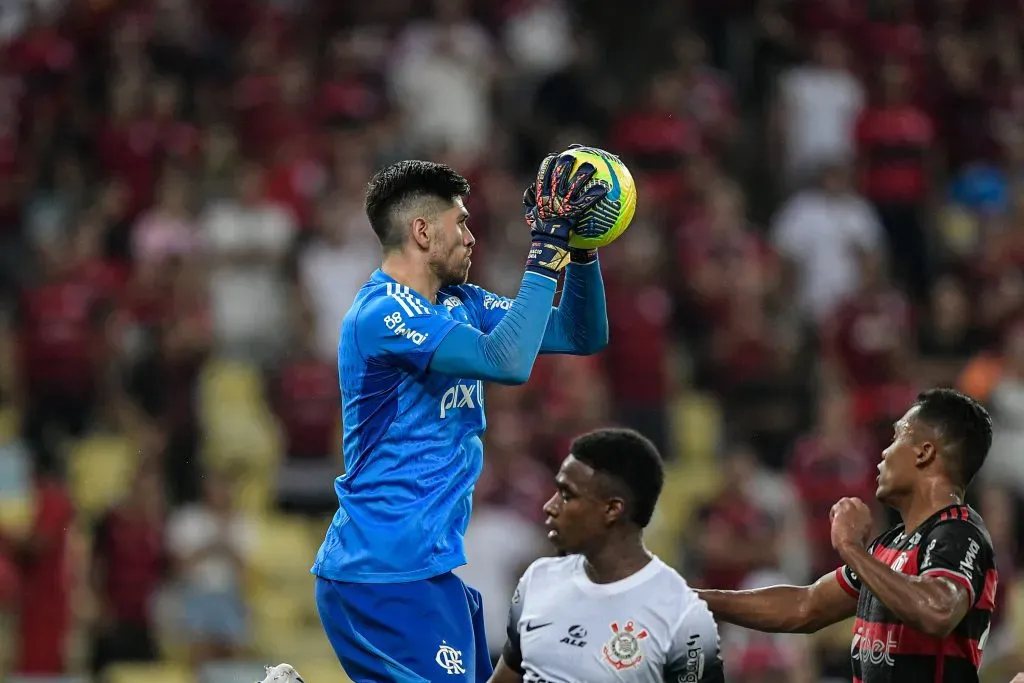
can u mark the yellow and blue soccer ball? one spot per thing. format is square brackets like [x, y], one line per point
[602, 223]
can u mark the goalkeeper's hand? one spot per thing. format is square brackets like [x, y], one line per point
[553, 205]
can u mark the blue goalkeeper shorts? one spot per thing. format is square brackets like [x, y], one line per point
[429, 630]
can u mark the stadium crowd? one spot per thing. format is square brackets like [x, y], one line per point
[830, 218]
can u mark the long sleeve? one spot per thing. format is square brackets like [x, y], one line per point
[579, 325]
[507, 352]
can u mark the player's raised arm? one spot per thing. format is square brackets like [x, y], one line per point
[578, 326]
[507, 352]
[788, 609]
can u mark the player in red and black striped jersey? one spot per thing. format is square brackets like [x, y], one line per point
[954, 545]
[923, 592]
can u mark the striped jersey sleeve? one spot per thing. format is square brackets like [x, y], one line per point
[957, 550]
[396, 328]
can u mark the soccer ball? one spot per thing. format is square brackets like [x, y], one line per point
[602, 223]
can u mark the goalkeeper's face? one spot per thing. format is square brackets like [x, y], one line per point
[451, 245]
[581, 513]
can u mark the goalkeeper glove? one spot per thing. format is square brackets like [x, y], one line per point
[553, 206]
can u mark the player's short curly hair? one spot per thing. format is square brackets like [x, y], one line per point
[403, 186]
[631, 461]
[964, 426]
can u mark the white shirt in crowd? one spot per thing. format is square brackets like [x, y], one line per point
[819, 110]
[194, 528]
[249, 300]
[821, 234]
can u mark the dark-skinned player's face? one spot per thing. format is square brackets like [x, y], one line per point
[899, 469]
[580, 513]
[452, 245]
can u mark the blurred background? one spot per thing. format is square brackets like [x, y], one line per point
[831, 217]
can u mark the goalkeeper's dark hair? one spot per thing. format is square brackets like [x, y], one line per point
[631, 462]
[964, 426]
[396, 189]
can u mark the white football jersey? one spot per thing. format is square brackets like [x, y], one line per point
[647, 628]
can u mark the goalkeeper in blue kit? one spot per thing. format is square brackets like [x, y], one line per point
[415, 349]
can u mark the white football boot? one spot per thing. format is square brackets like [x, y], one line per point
[282, 673]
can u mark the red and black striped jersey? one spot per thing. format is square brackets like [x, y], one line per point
[954, 544]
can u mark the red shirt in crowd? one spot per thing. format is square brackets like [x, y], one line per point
[306, 400]
[636, 358]
[865, 337]
[130, 548]
[822, 473]
[44, 619]
[57, 337]
[893, 145]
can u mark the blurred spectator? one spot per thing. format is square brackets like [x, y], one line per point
[820, 232]
[867, 340]
[834, 460]
[569, 98]
[737, 535]
[1006, 401]
[816, 110]
[537, 36]
[896, 156]
[946, 335]
[44, 613]
[657, 138]
[163, 380]
[57, 340]
[709, 98]
[127, 572]
[168, 230]
[246, 240]
[332, 267]
[304, 395]
[210, 542]
[441, 78]
[638, 357]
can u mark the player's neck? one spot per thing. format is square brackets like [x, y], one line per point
[617, 560]
[922, 504]
[400, 268]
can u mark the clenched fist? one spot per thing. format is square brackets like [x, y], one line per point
[851, 522]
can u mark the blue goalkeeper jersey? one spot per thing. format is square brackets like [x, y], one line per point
[412, 438]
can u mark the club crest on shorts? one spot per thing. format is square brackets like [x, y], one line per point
[623, 650]
[449, 659]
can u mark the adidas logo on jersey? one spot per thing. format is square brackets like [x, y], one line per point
[461, 395]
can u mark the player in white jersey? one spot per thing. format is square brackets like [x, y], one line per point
[607, 609]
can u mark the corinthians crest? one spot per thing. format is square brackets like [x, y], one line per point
[623, 650]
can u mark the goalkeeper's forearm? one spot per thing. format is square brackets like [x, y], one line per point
[507, 353]
[579, 325]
